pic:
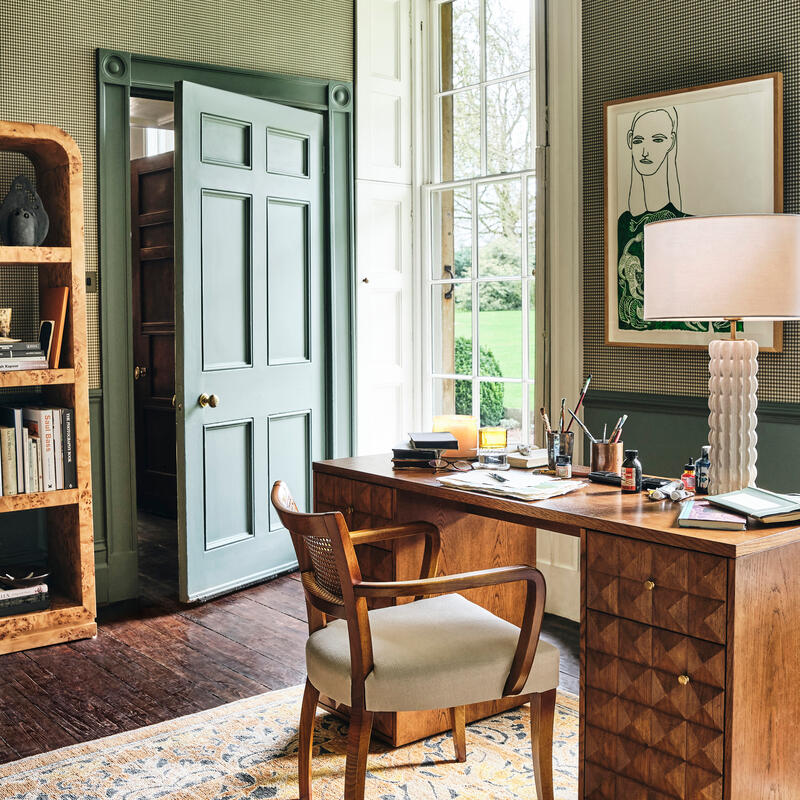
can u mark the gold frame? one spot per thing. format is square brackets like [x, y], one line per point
[777, 89]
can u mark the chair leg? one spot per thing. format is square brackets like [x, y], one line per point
[543, 709]
[355, 770]
[458, 724]
[306, 739]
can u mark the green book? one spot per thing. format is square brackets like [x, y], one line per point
[759, 503]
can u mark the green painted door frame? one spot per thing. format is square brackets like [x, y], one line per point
[118, 75]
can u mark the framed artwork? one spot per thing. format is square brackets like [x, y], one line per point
[708, 150]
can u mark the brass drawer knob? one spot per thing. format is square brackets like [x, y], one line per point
[683, 679]
[649, 585]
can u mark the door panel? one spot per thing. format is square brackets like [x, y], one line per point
[250, 312]
[152, 235]
[287, 283]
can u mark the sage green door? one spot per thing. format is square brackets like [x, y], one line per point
[250, 316]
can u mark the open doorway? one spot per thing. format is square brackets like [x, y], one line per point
[152, 144]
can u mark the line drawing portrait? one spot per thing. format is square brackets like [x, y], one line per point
[654, 194]
[700, 151]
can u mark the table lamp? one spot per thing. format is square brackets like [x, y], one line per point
[736, 268]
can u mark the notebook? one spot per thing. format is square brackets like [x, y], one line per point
[701, 514]
[759, 503]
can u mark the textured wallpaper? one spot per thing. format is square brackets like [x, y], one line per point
[659, 45]
[47, 70]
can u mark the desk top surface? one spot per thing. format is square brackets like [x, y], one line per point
[595, 506]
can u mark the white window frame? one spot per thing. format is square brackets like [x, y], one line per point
[427, 169]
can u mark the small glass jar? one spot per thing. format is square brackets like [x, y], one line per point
[631, 472]
[493, 458]
[563, 466]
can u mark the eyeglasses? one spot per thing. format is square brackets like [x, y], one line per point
[444, 463]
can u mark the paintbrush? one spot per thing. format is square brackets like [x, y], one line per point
[583, 427]
[546, 420]
[622, 421]
[580, 399]
[562, 416]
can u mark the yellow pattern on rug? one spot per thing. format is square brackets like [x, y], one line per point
[248, 749]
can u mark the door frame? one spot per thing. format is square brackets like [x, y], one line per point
[118, 74]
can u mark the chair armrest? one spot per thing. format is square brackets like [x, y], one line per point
[531, 619]
[430, 557]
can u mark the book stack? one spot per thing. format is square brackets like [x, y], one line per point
[23, 595]
[37, 450]
[421, 449]
[22, 355]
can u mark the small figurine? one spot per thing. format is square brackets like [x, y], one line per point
[23, 220]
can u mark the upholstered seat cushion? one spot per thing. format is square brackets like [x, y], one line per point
[435, 653]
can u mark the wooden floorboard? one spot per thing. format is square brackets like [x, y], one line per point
[156, 659]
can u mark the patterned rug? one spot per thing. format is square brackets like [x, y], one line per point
[247, 749]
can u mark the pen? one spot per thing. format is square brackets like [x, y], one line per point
[583, 427]
[499, 478]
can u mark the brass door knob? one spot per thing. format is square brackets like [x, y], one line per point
[683, 679]
[208, 400]
[649, 585]
[139, 372]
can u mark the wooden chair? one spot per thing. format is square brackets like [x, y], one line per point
[439, 652]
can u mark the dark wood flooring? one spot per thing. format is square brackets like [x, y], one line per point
[155, 659]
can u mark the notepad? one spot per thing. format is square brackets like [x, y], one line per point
[759, 503]
[517, 485]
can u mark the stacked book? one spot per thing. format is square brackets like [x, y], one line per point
[22, 355]
[21, 596]
[37, 450]
[421, 449]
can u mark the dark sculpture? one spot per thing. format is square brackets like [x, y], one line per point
[23, 220]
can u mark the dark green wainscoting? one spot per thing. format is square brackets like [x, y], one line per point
[668, 430]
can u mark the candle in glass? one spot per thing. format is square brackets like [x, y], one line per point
[464, 428]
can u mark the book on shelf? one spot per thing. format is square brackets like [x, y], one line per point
[20, 364]
[37, 449]
[701, 514]
[53, 306]
[35, 597]
[8, 460]
[21, 350]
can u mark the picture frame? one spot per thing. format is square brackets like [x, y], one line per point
[705, 150]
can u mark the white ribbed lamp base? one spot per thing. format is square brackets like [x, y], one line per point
[732, 402]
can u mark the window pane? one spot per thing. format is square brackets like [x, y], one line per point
[508, 126]
[499, 229]
[531, 226]
[460, 44]
[452, 329]
[500, 329]
[508, 37]
[460, 122]
[452, 396]
[451, 244]
[531, 328]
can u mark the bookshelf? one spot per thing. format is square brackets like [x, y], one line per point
[60, 262]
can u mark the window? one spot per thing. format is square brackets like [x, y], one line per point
[481, 212]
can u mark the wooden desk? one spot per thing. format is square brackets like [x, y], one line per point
[659, 605]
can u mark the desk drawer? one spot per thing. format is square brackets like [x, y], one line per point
[650, 733]
[364, 505]
[680, 590]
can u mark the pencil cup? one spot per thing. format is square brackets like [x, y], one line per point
[606, 457]
[559, 444]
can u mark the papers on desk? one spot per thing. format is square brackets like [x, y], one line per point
[519, 485]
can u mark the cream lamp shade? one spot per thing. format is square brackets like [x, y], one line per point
[714, 268]
[744, 267]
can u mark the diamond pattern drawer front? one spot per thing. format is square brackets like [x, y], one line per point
[672, 588]
[650, 732]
